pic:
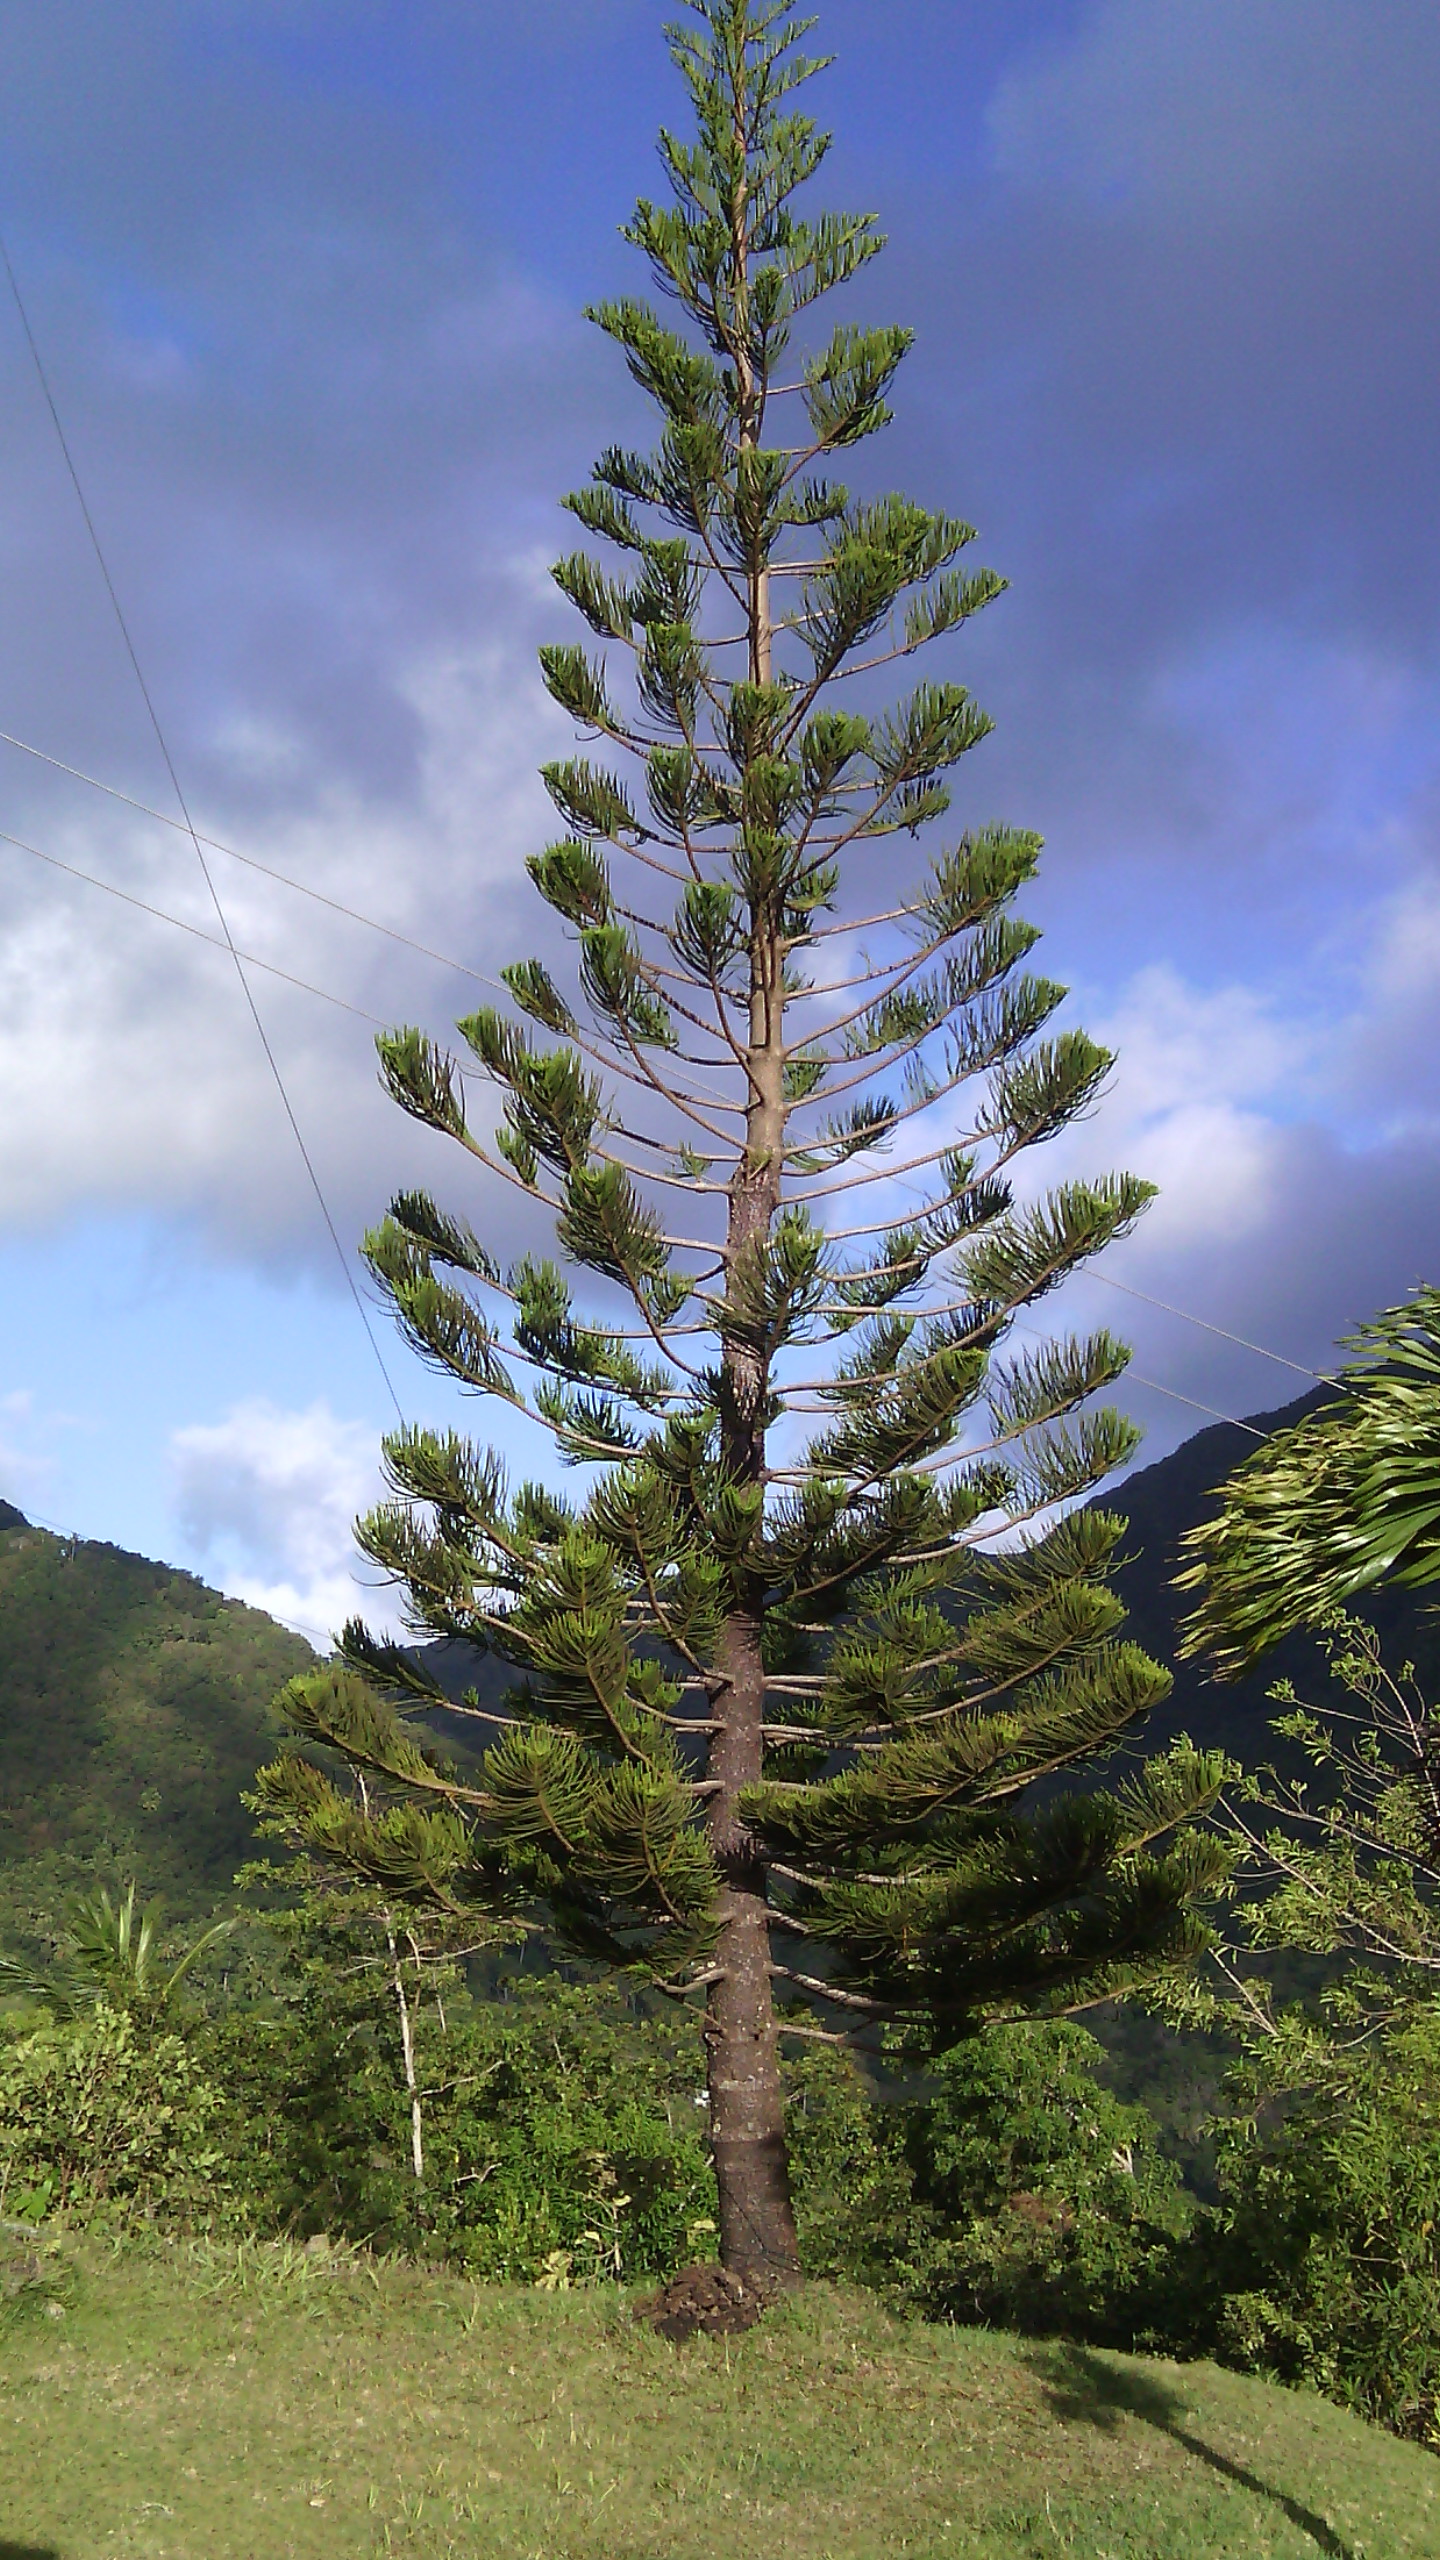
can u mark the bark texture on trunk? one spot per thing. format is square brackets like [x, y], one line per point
[757, 2225]
[747, 2117]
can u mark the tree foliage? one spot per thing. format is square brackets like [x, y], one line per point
[821, 1613]
[1344, 1861]
[1345, 1499]
[1324, 2261]
[563, 2142]
[1335, 1936]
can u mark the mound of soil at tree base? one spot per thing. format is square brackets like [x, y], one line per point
[708, 2302]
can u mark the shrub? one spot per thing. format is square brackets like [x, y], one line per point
[99, 2118]
[562, 2136]
[1018, 2192]
[1057, 2214]
[1328, 2269]
[858, 2215]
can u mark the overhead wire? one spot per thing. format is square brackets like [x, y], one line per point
[1320, 1377]
[445, 960]
[302, 888]
[1154, 1385]
[182, 804]
[185, 825]
[327, 996]
[198, 933]
[1135, 1380]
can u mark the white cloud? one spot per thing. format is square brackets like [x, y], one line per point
[1289, 1208]
[1204, 1080]
[272, 1497]
[145, 1085]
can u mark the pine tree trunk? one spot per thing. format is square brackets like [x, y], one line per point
[747, 2110]
[747, 2117]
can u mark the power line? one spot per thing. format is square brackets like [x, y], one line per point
[1318, 1375]
[301, 887]
[442, 959]
[185, 825]
[162, 916]
[183, 806]
[1135, 1380]
[1200, 1321]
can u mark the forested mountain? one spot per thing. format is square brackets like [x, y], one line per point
[135, 1703]
[134, 1706]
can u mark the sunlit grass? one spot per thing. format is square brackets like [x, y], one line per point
[253, 2404]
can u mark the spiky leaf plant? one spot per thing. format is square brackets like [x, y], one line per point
[113, 1958]
[1345, 1499]
[823, 1611]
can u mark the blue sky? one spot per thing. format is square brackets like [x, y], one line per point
[308, 278]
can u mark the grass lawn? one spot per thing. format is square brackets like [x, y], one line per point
[193, 2404]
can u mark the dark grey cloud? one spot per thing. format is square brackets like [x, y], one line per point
[1214, 231]
[1344, 1233]
[308, 280]
[1178, 358]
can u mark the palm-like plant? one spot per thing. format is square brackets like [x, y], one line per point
[114, 1957]
[1345, 1499]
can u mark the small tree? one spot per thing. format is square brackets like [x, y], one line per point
[1341, 1864]
[1346, 1862]
[781, 1697]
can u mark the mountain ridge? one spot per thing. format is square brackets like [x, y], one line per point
[136, 1703]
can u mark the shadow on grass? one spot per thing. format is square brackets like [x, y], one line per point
[28, 2551]
[1082, 2386]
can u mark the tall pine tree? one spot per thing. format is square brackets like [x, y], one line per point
[823, 1611]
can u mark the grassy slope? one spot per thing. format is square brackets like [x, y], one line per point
[257, 2409]
[134, 1706]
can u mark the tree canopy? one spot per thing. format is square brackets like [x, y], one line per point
[801, 1663]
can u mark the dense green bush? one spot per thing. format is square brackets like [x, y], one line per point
[102, 2116]
[1324, 2263]
[562, 2134]
[1017, 2192]
[856, 2208]
[1055, 2211]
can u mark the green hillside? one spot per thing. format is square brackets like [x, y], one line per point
[135, 1703]
[270, 2405]
[134, 1706]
